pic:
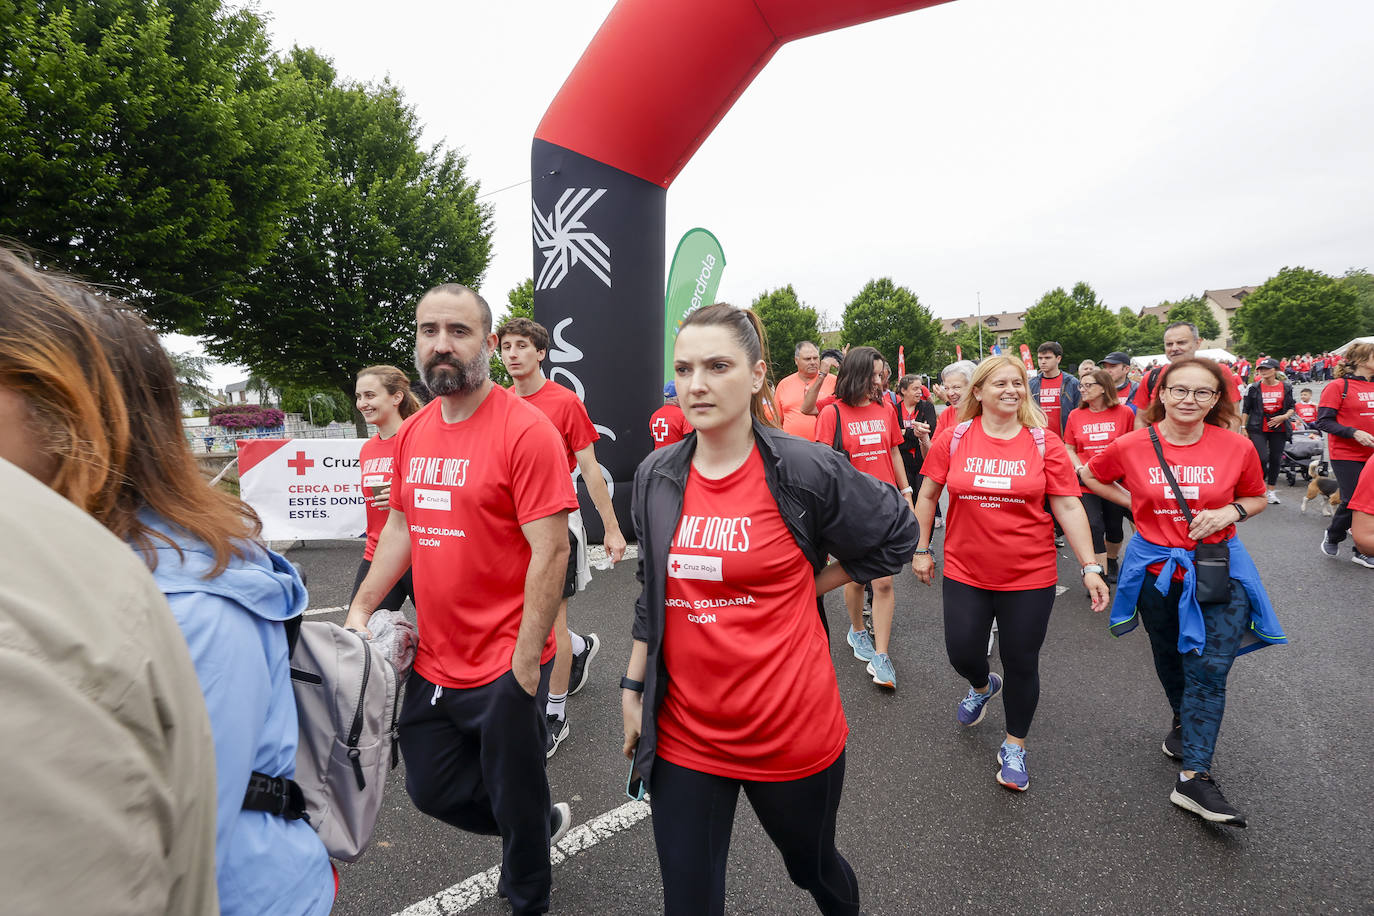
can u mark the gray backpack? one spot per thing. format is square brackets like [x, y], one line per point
[347, 703]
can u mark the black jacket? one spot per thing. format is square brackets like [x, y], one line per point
[830, 508]
[1256, 420]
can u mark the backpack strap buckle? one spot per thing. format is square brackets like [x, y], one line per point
[276, 795]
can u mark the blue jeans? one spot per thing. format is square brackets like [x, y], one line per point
[1195, 684]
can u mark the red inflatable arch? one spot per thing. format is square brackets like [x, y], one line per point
[652, 85]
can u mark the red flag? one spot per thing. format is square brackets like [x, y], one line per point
[1026, 358]
[958, 352]
[901, 361]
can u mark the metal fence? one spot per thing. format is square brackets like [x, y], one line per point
[220, 439]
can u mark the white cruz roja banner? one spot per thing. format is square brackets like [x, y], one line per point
[303, 489]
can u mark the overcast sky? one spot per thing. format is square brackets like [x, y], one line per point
[1001, 147]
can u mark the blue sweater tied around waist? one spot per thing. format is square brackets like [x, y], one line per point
[1264, 629]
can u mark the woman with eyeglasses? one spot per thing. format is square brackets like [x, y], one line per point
[1195, 634]
[1100, 420]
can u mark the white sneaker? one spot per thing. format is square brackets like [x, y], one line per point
[1273, 497]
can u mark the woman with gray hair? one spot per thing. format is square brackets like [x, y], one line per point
[954, 379]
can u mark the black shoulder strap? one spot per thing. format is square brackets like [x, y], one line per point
[1169, 476]
[1152, 380]
[293, 633]
[838, 443]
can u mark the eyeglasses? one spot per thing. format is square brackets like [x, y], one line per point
[1201, 395]
[1089, 385]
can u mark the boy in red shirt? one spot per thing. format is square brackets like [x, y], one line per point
[524, 344]
[479, 511]
[668, 424]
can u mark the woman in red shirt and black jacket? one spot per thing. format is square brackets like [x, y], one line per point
[1267, 409]
[731, 649]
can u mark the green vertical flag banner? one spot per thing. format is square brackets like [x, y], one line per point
[693, 279]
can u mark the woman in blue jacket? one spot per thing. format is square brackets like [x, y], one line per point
[228, 593]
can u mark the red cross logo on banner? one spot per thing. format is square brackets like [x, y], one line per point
[300, 463]
[660, 429]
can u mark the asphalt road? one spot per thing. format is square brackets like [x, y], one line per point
[924, 824]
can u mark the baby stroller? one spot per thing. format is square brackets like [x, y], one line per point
[1298, 454]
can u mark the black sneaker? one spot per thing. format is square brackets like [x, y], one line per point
[577, 679]
[1203, 797]
[1173, 741]
[558, 730]
[560, 819]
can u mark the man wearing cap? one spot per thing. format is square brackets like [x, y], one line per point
[790, 392]
[1117, 365]
[668, 424]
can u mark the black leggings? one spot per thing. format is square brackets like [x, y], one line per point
[1022, 619]
[694, 813]
[1269, 444]
[402, 590]
[1105, 518]
[1347, 474]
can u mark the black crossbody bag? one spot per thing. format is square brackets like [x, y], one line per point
[1211, 562]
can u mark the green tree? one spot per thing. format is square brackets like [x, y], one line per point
[786, 322]
[1361, 283]
[387, 220]
[1141, 335]
[966, 338]
[148, 145]
[887, 316]
[320, 406]
[193, 378]
[519, 304]
[1194, 309]
[1297, 311]
[1078, 320]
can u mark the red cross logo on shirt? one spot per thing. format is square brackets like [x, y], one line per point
[300, 463]
[660, 429]
[676, 566]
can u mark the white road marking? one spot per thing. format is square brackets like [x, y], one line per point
[316, 611]
[482, 886]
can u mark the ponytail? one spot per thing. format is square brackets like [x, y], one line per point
[749, 333]
[395, 382]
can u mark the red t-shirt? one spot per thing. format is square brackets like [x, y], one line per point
[746, 652]
[1144, 394]
[1050, 390]
[568, 416]
[465, 489]
[1271, 398]
[998, 535]
[375, 459]
[947, 419]
[1213, 472]
[1307, 411]
[867, 433]
[1089, 433]
[1356, 410]
[668, 425]
[1362, 500]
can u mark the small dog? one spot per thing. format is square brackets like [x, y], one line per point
[1321, 487]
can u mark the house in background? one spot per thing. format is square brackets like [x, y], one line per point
[1223, 303]
[248, 392]
[997, 327]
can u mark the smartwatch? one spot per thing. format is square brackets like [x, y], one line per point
[1241, 509]
[1091, 568]
[630, 684]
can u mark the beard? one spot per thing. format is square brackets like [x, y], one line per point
[444, 374]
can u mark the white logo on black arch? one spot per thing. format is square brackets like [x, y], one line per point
[566, 241]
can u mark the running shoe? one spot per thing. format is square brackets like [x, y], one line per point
[939, 522]
[1363, 559]
[1012, 760]
[862, 644]
[1203, 797]
[1328, 547]
[1059, 540]
[1173, 741]
[577, 678]
[560, 819]
[973, 707]
[1272, 497]
[558, 730]
[884, 675]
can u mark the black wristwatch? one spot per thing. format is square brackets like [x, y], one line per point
[630, 684]
[1241, 509]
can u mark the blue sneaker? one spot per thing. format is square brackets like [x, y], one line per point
[1329, 548]
[1012, 759]
[862, 644]
[884, 675]
[973, 707]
